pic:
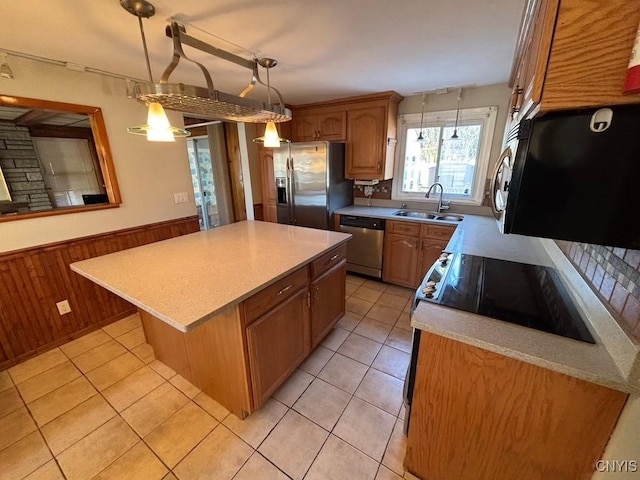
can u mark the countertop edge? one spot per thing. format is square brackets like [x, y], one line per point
[515, 344]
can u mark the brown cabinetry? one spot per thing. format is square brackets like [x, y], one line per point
[277, 342]
[326, 305]
[572, 54]
[366, 123]
[267, 176]
[478, 415]
[308, 126]
[410, 249]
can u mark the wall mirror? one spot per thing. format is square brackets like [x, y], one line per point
[54, 159]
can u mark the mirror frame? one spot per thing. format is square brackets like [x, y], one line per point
[103, 151]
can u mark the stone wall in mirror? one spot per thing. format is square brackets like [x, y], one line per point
[54, 159]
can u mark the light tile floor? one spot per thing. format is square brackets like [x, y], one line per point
[103, 407]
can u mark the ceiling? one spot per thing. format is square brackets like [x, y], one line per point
[325, 49]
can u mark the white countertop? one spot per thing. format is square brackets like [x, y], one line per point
[477, 235]
[188, 279]
[614, 361]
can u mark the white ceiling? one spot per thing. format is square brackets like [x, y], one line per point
[325, 49]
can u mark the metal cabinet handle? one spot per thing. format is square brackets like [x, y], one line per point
[317, 291]
[379, 166]
[332, 258]
[288, 287]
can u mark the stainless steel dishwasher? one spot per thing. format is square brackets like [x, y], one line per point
[364, 250]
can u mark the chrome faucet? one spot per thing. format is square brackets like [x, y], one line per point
[442, 205]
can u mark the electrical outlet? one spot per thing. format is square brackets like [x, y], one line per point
[181, 197]
[63, 307]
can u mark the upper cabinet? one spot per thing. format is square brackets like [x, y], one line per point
[572, 54]
[309, 126]
[367, 124]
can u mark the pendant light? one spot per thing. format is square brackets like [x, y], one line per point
[421, 138]
[158, 128]
[455, 128]
[271, 138]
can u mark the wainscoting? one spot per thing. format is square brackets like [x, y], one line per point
[34, 279]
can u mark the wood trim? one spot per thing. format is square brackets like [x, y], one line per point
[57, 211]
[34, 279]
[385, 96]
[210, 356]
[235, 171]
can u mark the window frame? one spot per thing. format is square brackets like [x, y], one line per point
[487, 116]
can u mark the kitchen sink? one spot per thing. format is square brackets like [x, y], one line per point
[428, 215]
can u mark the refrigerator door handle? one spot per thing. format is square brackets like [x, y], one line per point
[290, 187]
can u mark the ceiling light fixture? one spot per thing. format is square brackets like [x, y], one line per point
[157, 128]
[5, 69]
[455, 128]
[421, 138]
[206, 102]
[271, 138]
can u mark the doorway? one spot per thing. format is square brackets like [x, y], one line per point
[202, 177]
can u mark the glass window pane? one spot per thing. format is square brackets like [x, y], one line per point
[420, 159]
[458, 159]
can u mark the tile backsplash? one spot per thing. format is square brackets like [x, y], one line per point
[614, 274]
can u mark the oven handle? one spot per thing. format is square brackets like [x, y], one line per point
[494, 181]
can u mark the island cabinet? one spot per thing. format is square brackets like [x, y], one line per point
[278, 339]
[572, 54]
[410, 249]
[478, 415]
[328, 285]
[242, 355]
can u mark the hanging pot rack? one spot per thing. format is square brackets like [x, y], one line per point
[208, 101]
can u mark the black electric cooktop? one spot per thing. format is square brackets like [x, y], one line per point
[529, 295]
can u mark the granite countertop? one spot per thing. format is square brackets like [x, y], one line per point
[188, 279]
[614, 361]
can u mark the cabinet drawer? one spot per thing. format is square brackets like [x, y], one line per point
[266, 299]
[328, 260]
[403, 228]
[436, 231]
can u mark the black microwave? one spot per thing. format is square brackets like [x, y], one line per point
[573, 175]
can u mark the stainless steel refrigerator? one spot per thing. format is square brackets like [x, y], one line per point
[310, 183]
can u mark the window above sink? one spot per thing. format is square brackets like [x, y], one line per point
[460, 165]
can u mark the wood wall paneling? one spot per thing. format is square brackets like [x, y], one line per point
[34, 279]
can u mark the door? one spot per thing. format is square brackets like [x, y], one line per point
[333, 126]
[277, 343]
[366, 133]
[430, 251]
[309, 184]
[401, 255]
[327, 304]
[202, 178]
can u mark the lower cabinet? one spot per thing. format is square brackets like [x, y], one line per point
[326, 307]
[401, 254]
[277, 343]
[410, 249]
[478, 415]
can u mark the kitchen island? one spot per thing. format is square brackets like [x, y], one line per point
[235, 309]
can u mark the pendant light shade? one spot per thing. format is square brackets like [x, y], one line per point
[158, 128]
[455, 128]
[271, 137]
[421, 138]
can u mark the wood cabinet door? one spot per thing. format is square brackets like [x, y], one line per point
[430, 250]
[268, 181]
[304, 128]
[332, 126]
[277, 343]
[365, 145]
[401, 256]
[327, 301]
